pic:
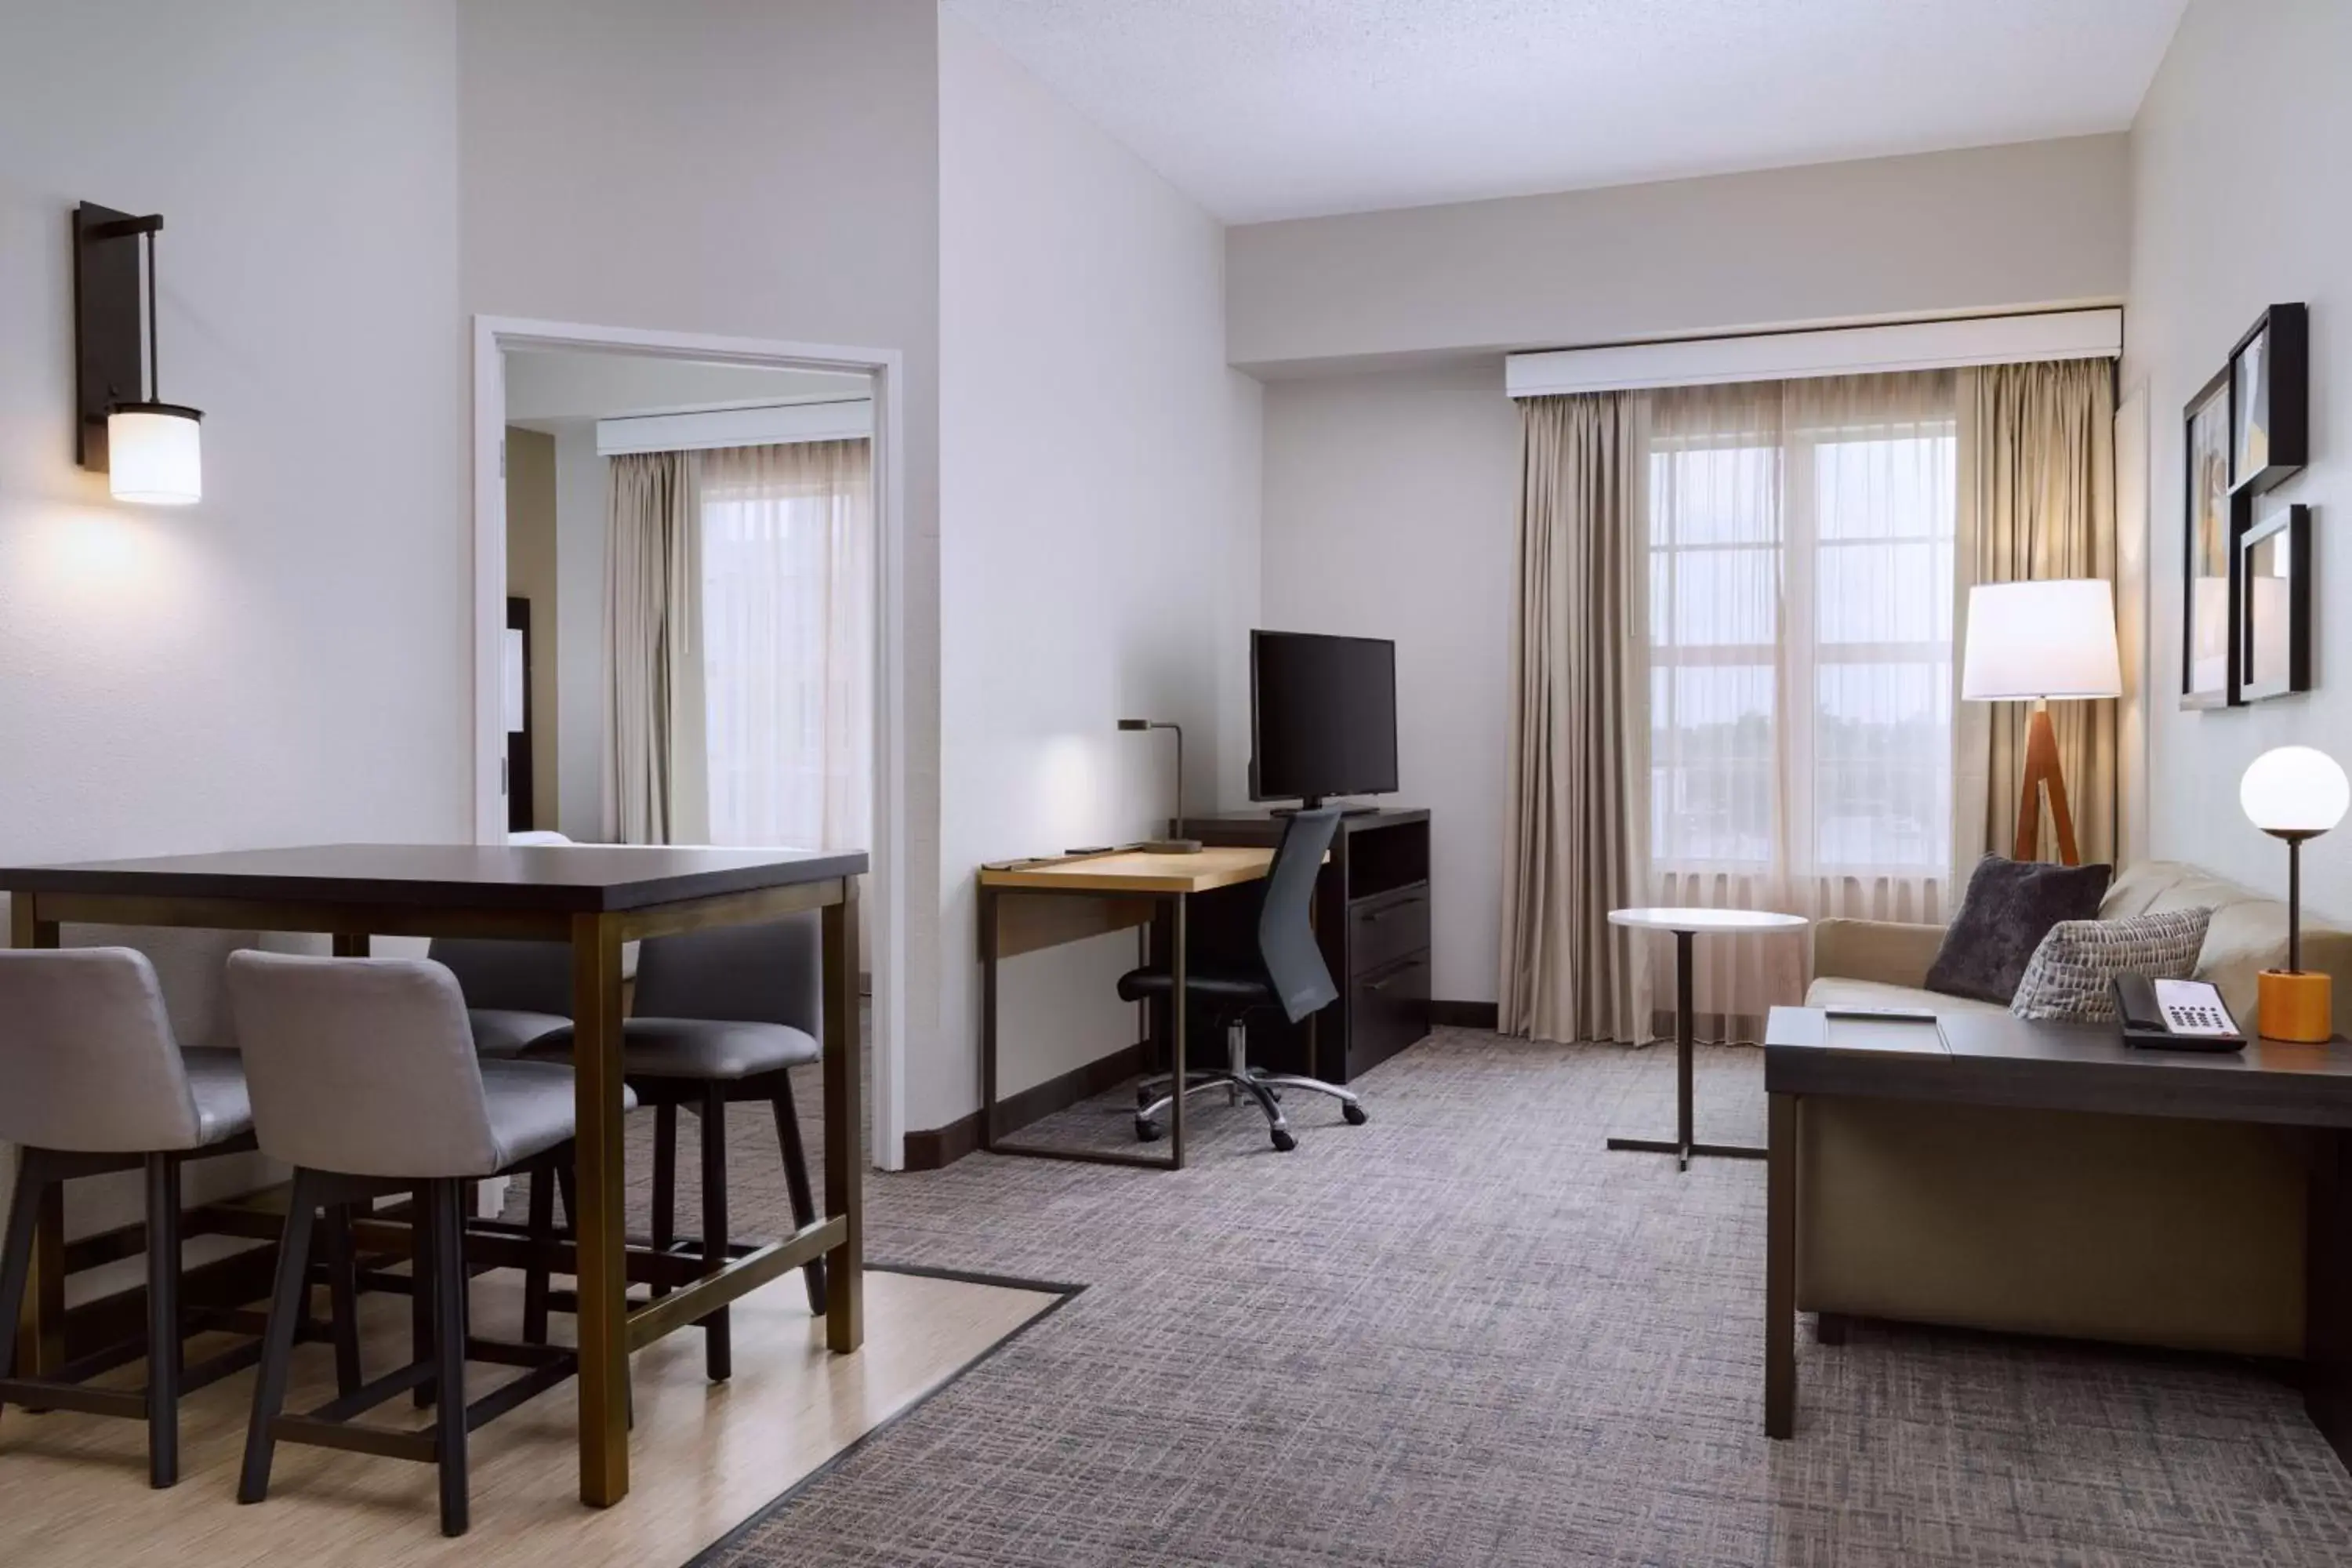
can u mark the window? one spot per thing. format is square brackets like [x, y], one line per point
[1800, 631]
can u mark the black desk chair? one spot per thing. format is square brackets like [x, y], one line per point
[1290, 975]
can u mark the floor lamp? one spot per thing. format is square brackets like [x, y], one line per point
[2041, 642]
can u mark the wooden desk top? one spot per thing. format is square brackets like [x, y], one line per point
[1133, 871]
[1991, 1058]
[563, 877]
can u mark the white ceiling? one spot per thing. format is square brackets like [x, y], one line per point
[1266, 108]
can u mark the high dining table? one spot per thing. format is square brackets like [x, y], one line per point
[595, 897]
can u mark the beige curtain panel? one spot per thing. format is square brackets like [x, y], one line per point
[653, 717]
[2037, 499]
[1574, 832]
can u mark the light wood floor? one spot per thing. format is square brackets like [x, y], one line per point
[704, 1457]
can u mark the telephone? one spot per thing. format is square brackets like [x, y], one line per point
[2175, 1014]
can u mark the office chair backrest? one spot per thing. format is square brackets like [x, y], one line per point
[768, 974]
[1285, 927]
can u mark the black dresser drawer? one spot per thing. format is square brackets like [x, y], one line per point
[1382, 930]
[1389, 1010]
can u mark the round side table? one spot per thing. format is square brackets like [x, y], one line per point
[1687, 924]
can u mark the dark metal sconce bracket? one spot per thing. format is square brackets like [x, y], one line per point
[108, 365]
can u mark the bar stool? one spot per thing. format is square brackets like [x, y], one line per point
[517, 992]
[722, 1016]
[364, 1079]
[91, 1081]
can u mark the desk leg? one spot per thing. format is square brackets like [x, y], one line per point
[1780, 1267]
[1176, 1030]
[2327, 1308]
[604, 1321]
[845, 1133]
[41, 1323]
[989, 915]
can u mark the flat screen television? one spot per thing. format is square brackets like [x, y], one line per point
[1322, 716]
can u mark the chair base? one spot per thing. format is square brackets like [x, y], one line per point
[443, 1345]
[1155, 1095]
[169, 1323]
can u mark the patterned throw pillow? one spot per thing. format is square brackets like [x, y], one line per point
[2067, 977]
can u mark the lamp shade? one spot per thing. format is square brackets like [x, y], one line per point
[2297, 791]
[2050, 639]
[154, 455]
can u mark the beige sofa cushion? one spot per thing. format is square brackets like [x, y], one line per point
[2248, 934]
[1843, 991]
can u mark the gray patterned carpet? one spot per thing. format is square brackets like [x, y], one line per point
[1464, 1334]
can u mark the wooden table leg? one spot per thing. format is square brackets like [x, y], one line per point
[41, 1325]
[604, 1319]
[845, 1131]
[1780, 1267]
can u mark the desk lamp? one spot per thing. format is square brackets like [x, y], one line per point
[2295, 793]
[1168, 845]
[2036, 642]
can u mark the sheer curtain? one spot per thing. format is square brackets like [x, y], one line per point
[787, 640]
[1798, 635]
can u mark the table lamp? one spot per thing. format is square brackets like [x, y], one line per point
[2039, 642]
[2295, 793]
[1168, 845]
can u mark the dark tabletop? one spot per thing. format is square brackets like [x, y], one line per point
[579, 879]
[1991, 1058]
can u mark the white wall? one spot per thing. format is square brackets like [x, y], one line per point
[2238, 164]
[287, 662]
[1390, 505]
[767, 171]
[1099, 528]
[2041, 223]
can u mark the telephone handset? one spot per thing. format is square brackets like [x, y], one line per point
[2175, 1014]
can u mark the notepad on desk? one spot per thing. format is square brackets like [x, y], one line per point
[1901, 1029]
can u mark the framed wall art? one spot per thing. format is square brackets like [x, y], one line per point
[2270, 399]
[2209, 632]
[2274, 605]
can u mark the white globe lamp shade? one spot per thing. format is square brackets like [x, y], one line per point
[2296, 791]
[2055, 638]
[154, 455]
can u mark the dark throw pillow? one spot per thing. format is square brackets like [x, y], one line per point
[2010, 906]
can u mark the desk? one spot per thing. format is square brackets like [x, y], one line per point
[1029, 905]
[595, 897]
[1993, 1059]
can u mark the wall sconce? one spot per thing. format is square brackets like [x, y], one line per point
[148, 449]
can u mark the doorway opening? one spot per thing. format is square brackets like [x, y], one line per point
[687, 609]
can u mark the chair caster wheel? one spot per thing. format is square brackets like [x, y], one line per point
[1353, 1112]
[1147, 1131]
[1283, 1141]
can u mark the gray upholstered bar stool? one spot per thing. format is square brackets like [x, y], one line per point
[517, 992]
[365, 1080]
[722, 1015]
[91, 1081]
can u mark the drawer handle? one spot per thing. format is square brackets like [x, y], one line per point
[1384, 982]
[1377, 916]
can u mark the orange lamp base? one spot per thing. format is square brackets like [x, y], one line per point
[2299, 1008]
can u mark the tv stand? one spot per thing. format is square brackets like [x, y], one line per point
[1317, 803]
[1372, 919]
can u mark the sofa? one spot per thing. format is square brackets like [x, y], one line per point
[2175, 1233]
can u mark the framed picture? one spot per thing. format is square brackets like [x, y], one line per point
[2270, 399]
[2209, 631]
[2275, 608]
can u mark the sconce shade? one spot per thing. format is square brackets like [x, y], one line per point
[154, 454]
[2296, 792]
[2050, 638]
[1135, 723]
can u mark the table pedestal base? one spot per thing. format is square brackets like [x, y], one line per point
[1682, 1146]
